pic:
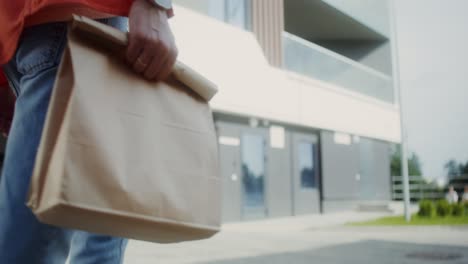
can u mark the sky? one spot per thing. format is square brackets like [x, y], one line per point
[433, 54]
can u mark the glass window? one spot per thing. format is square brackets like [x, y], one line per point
[253, 170]
[216, 9]
[237, 13]
[306, 164]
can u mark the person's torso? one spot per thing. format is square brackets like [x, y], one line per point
[465, 197]
[17, 14]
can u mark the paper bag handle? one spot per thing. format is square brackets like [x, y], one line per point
[112, 36]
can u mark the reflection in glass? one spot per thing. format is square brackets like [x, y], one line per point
[237, 13]
[217, 9]
[306, 164]
[310, 59]
[253, 171]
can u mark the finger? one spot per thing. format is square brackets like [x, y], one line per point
[155, 67]
[143, 61]
[166, 69]
[134, 49]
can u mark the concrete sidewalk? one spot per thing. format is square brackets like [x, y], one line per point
[309, 239]
[244, 239]
[252, 239]
[301, 223]
[315, 221]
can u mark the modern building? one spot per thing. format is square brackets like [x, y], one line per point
[306, 113]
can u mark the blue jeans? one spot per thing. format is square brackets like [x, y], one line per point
[24, 240]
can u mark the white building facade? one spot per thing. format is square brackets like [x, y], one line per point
[306, 113]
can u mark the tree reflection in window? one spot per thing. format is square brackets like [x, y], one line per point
[253, 169]
[306, 164]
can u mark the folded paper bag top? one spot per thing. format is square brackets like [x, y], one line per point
[123, 156]
[199, 84]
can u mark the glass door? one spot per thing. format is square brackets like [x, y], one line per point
[253, 175]
[306, 174]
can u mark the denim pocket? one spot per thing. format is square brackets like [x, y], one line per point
[40, 47]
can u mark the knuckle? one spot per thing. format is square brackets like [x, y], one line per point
[155, 44]
[132, 56]
[154, 40]
[145, 57]
[165, 51]
[151, 73]
[164, 48]
[139, 37]
[144, 37]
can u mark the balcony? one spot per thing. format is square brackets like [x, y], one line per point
[314, 61]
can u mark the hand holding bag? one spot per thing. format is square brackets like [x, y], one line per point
[123, 156]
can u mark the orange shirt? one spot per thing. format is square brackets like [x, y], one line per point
[17, 14]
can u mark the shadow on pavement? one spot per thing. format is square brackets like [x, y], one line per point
[370, 251]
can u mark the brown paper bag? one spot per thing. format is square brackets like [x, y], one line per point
[123, 156]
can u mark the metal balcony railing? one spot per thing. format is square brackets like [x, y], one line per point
[312, 60]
